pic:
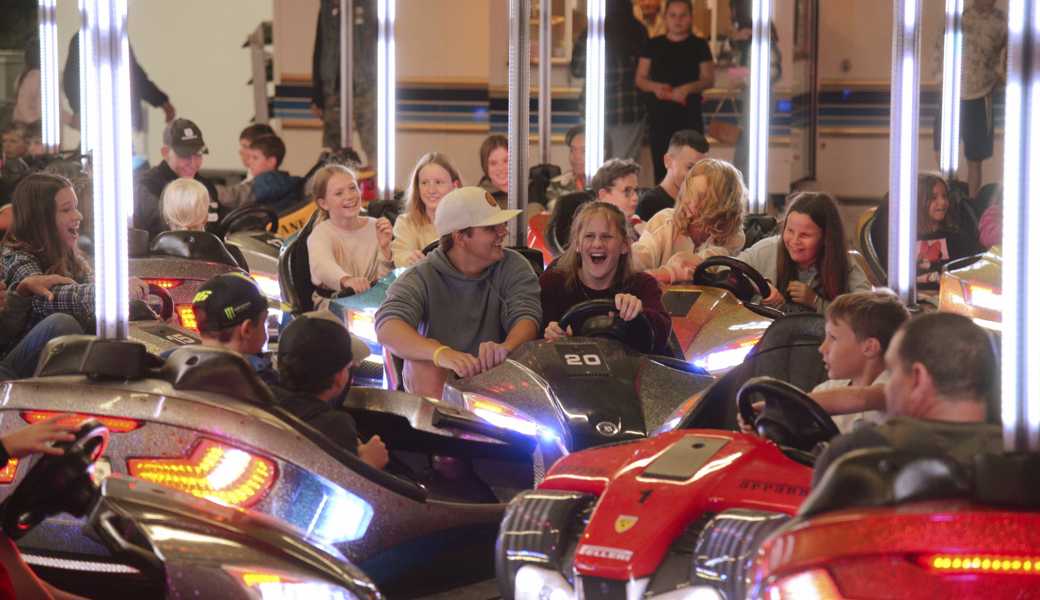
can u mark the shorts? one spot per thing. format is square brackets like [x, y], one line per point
[976, 128]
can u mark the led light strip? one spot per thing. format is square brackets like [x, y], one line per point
[519, 115]
[386, 82]
[902, 217]
[595, 65]
[759, 107]
[346, 73]
[949, 145]
[108, 121]
[69, 564]
[1020, 369]
[49, 98]
[87, 93]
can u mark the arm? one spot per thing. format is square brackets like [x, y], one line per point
[848, 400]
[653, 246]
[325, 271]
[705, 80]
[643, 81]
[148, 91]
[649, 293]
[406, 242]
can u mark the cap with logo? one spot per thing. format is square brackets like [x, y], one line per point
[227, 300]
[185, 137]
[469, 207]
[320, 343]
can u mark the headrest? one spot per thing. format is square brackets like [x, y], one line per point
[199, 368]
[193, 245]
[96, 358]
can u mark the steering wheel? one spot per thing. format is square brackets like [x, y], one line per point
[241, 215]
[56, 484]
[165, 299]
[731, 274]
[593, 318]
[790, 417]
[431, 247]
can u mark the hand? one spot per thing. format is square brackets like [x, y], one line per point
[138, 289]
[170, 111]
[38, 437]
[663, 91]
[315, 110]
[492, 354]
[746, 427]
[553, 331]
[678, 95]
[358, 284]
[373, 452]
[775, 298]
[464, 365]
[801, 293]
[415, 257]
[628, 306]
[40, 285]
[384, 232]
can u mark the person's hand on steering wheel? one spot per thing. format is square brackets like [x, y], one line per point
[629, 306]
[374, 453]
[802, 294]
[38, 437]
[138, 289]
[40, 285]
[492, 354]
[358, 284]
[553, 331]
[775, 298]
[461, 363]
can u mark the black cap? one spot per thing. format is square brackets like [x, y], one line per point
[227, 300]
[185, 137]
[321, 342]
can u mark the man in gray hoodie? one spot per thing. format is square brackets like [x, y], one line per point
[466, 306]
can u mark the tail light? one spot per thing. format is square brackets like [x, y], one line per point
[809, 585]
[214, 471]
[9, 471]
[165, 283]
[362, 324]
[114, 424]
[186, 314]
[726, 357]
[500, 415]
[267, 584]
[958, 564]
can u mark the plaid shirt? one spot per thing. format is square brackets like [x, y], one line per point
[74, 299]
[624, 103]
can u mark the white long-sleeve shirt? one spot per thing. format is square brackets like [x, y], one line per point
[658, 243]
[410, 236]
[337, 253]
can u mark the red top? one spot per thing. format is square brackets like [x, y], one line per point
[558, 298]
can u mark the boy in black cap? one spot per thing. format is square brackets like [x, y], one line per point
[182, 152]
[232, 314]
[315, 356]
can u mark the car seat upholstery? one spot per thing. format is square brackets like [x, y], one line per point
[200, 368]
[192, 245]
[294, 271]
[868, 241]
[788, 351]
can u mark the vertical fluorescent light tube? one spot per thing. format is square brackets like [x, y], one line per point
[950, 121]
[49, 100]
[1020, 362]
[545, 81]
[595, 65]
[902, 185]
[109, 119]
[386, 81]
[346, 73]
[759, 106]
[87, 94]
[519, 133]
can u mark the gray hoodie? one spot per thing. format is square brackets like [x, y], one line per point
[459, 311]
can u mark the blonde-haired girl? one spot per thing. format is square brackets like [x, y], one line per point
[433, 177]
[185, 204]
[707, 221]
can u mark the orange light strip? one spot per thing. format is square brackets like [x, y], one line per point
[10, 470]
[186, 313]
[214, 471]
[166, 284]
[982, 563]
[114, 424]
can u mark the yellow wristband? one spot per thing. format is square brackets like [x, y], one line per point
[437, 352]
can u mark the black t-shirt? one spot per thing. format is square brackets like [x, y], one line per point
[961, 441]
[653, 201]
[677, 63]
[337, 425]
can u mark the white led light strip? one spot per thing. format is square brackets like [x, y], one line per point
[949, 145]
[759, 106]
[595, 65]
[49, 98]
[386, 81]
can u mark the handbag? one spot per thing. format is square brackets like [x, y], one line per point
[724, 131]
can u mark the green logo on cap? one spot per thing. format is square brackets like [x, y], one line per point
[229, 312]
[201, 296]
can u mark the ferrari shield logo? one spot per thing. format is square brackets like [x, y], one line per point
[624, 523]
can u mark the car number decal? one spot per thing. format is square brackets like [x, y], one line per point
[582, 360]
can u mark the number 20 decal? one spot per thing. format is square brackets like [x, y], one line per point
[582, 360]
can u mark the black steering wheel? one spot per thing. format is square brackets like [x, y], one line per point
[599, 318]
[790, 417]
[250, 216]
[56, 484]
[165, 299]
[431, 247]
[734, 275]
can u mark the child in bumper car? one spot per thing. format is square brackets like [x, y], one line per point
[185, 205]
[433, 177]
[706, 222]
[808, 265]
[939, 238]
[596, 265]
[347, 250]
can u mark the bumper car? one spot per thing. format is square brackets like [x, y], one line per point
[638, 520]
[971, 287]
[153, 542]
[203, 423]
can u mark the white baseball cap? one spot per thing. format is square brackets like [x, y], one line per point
[469, 207]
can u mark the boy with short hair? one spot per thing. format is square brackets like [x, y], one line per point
[617, 183]
[268, 186]
[573, 180]
[859, 328]
[685, 148]
[245, 142]
[15, 141]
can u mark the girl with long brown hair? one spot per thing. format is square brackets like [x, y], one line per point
[433, 177]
